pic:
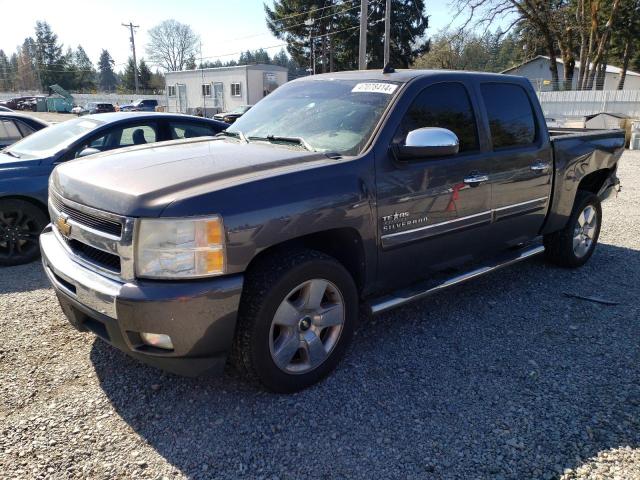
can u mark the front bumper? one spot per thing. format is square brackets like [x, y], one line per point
[198, 315]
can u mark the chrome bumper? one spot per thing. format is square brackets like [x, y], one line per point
[81, 284]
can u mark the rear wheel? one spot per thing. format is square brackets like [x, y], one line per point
[20, 225]
[296, 319]
[575, 243]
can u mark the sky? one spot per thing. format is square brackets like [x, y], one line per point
[226, 27]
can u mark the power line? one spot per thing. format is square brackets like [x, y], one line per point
[316, 10]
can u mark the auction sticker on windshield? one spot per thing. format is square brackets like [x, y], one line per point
[375, 87]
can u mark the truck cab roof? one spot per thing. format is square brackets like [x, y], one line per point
[407, 75]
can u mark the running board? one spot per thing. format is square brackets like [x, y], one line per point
[423, 289]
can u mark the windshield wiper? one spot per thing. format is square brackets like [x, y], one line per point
[276, 138]
[238, 135]
[10, 153]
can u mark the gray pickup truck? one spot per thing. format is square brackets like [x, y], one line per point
[336, 194]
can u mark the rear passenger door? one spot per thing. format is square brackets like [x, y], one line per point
[521, 163]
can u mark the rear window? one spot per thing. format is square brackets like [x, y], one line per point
[511, 117]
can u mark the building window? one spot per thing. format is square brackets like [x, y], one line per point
[172, 90]
[206, 90]
[235, 90]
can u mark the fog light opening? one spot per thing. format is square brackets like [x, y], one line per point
[157, 340]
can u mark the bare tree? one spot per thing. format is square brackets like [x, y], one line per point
[540, 14]
[171, 44]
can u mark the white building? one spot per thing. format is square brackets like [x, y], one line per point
[538, 72]
[223, 89]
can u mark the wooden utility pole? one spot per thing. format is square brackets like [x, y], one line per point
[387, 33]
[362, 51]
[131, 26]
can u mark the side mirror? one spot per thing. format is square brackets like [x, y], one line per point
[428, 142]
[88, 151]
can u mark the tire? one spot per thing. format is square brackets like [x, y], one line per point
[573, 246]
[286, 300]
[20, 225]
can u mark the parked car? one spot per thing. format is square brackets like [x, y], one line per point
[336, 192]
[26, 165]
[140, 106]
[5, 109]
[14, 103]
[233, 115]
[92, 108]
[15, 126]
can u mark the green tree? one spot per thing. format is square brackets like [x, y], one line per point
[85, 74]
[107, 79]
[190, 64]
[333, 28]
[6, 83]
[144, 75]
[50, 62]
[128, 76]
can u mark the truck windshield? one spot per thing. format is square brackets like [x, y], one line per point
[328, 115]
[51, 140]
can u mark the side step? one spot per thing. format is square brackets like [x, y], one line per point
[423, 289]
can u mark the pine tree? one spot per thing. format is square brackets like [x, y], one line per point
[335, 32]
[5, 73]
[144, 75]
[107, 79]
[190, 63]
[13, 64]
[50, 62]
[128, 76]
[85, 74]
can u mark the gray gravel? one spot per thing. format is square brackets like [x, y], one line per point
[501, 378]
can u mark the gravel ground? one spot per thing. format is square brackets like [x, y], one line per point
[501, 378]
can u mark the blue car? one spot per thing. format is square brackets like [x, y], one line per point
[26, 165]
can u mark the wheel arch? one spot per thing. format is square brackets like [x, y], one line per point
[594, 181]
[33, 201]
[343, 244]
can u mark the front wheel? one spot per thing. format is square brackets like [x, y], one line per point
[20, 226]
[575, 243]
[296, 319]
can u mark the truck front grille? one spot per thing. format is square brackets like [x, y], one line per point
[101, 241]
[98, 257]
[92, 221]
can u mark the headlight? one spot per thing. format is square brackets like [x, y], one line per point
[180, 248]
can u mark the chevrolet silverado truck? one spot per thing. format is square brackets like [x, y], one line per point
[336, 194]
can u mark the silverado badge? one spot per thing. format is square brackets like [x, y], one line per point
[63, 225]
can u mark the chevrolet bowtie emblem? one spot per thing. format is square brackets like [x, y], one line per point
[63, 225]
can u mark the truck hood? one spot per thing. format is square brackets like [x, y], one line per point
[142, 181]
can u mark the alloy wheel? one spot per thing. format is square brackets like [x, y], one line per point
[307, 326]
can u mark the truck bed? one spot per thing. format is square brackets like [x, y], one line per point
[578, 152]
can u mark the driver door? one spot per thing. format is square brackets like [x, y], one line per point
[434, 213]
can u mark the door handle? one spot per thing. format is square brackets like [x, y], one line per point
[476, 179]
[540, 167]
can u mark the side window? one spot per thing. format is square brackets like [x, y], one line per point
[120, 137]
[137, 135]
[25, 129]
[510, 115]
[444, 105]
[9, 131]
[189, 130]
